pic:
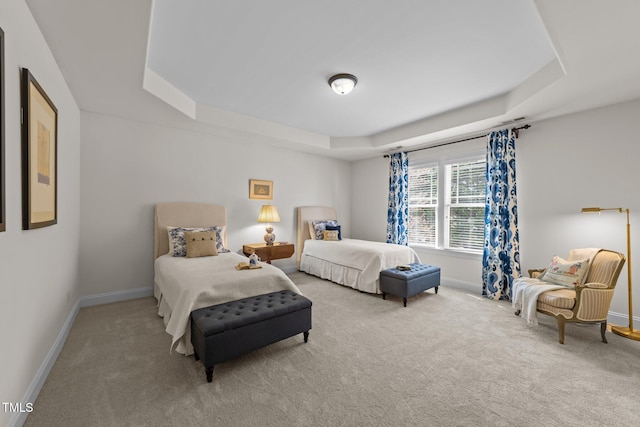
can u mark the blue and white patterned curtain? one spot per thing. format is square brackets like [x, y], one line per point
[398, 211]
[501, 255]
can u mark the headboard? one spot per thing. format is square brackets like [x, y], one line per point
[185, 214]
[306, 214]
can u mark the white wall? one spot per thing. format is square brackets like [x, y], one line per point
[563, 164]
[129, 166]
[580, 160]
[38, 268]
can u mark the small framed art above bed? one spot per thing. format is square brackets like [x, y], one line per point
[194, 268]
[324, 252]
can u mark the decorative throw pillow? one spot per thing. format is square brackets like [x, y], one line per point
[200, 243]
[335, 227]
[177, 245]
[330, 235]
[565, 273]
[317, 227]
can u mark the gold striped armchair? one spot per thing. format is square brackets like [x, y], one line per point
[588, 302]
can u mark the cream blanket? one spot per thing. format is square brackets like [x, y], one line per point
[366, 258]
[525, 294]
[186, 284]
[525, 290]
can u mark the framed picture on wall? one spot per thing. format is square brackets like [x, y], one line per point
[259, 189]
[3, 221]
[39, 156]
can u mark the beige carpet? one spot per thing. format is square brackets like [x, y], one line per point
[450, 359]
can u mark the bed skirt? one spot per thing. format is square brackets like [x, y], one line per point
[340, 274]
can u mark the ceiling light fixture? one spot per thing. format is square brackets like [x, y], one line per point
[342, 84]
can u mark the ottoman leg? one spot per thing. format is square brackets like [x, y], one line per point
[306, 336]
[209, 372]
[384, 296]
[437, 289]
[195, 355]
[404, 300]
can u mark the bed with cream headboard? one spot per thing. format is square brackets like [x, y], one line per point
[350, 262]
[185, 284]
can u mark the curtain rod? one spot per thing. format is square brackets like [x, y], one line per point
[527, 126]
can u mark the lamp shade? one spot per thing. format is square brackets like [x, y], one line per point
[342, 84]
[268, 213]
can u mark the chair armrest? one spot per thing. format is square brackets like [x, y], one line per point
[536, 272]
[594, 285]
[593, 301]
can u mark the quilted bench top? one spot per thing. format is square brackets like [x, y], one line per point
[236, 314]
[417, 270]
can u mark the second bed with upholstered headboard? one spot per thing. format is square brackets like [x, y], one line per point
[184, 284]
[350, 262]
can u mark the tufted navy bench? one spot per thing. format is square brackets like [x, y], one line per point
[408, 283]
[227, 330]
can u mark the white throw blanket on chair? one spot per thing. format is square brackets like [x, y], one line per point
[525, 294]
[525, 291]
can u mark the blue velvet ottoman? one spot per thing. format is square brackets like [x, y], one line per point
[407, 283]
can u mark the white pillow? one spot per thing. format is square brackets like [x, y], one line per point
[566, 273]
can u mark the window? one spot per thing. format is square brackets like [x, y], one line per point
[464, 204]
[423, 205]
[449, 196]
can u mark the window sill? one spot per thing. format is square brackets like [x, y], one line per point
[447, 252]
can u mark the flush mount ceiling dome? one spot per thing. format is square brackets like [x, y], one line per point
[343, 83]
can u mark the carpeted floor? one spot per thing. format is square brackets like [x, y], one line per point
[450, 359]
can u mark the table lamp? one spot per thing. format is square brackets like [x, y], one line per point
[269, 214]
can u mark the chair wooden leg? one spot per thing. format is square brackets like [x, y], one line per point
[561, 322]
[603, 328]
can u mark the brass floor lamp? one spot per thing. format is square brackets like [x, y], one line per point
[629, 332]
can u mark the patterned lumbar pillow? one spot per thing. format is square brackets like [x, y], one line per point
[335, 227]
[330, 235]
[200, 243]
[565, 273]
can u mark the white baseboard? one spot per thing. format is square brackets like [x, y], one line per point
[622, 319]
[109, 297]
[462, 285]
[32, 392]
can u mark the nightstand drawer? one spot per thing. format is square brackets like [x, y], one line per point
[268, 253]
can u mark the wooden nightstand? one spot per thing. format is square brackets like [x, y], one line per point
[268, 253]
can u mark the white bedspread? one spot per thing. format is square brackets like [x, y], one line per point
[186, 284]
[362, 260]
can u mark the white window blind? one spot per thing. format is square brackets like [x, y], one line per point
[423, 205]
[464, 205]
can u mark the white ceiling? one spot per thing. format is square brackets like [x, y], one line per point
[428, 70]
[413, 58]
